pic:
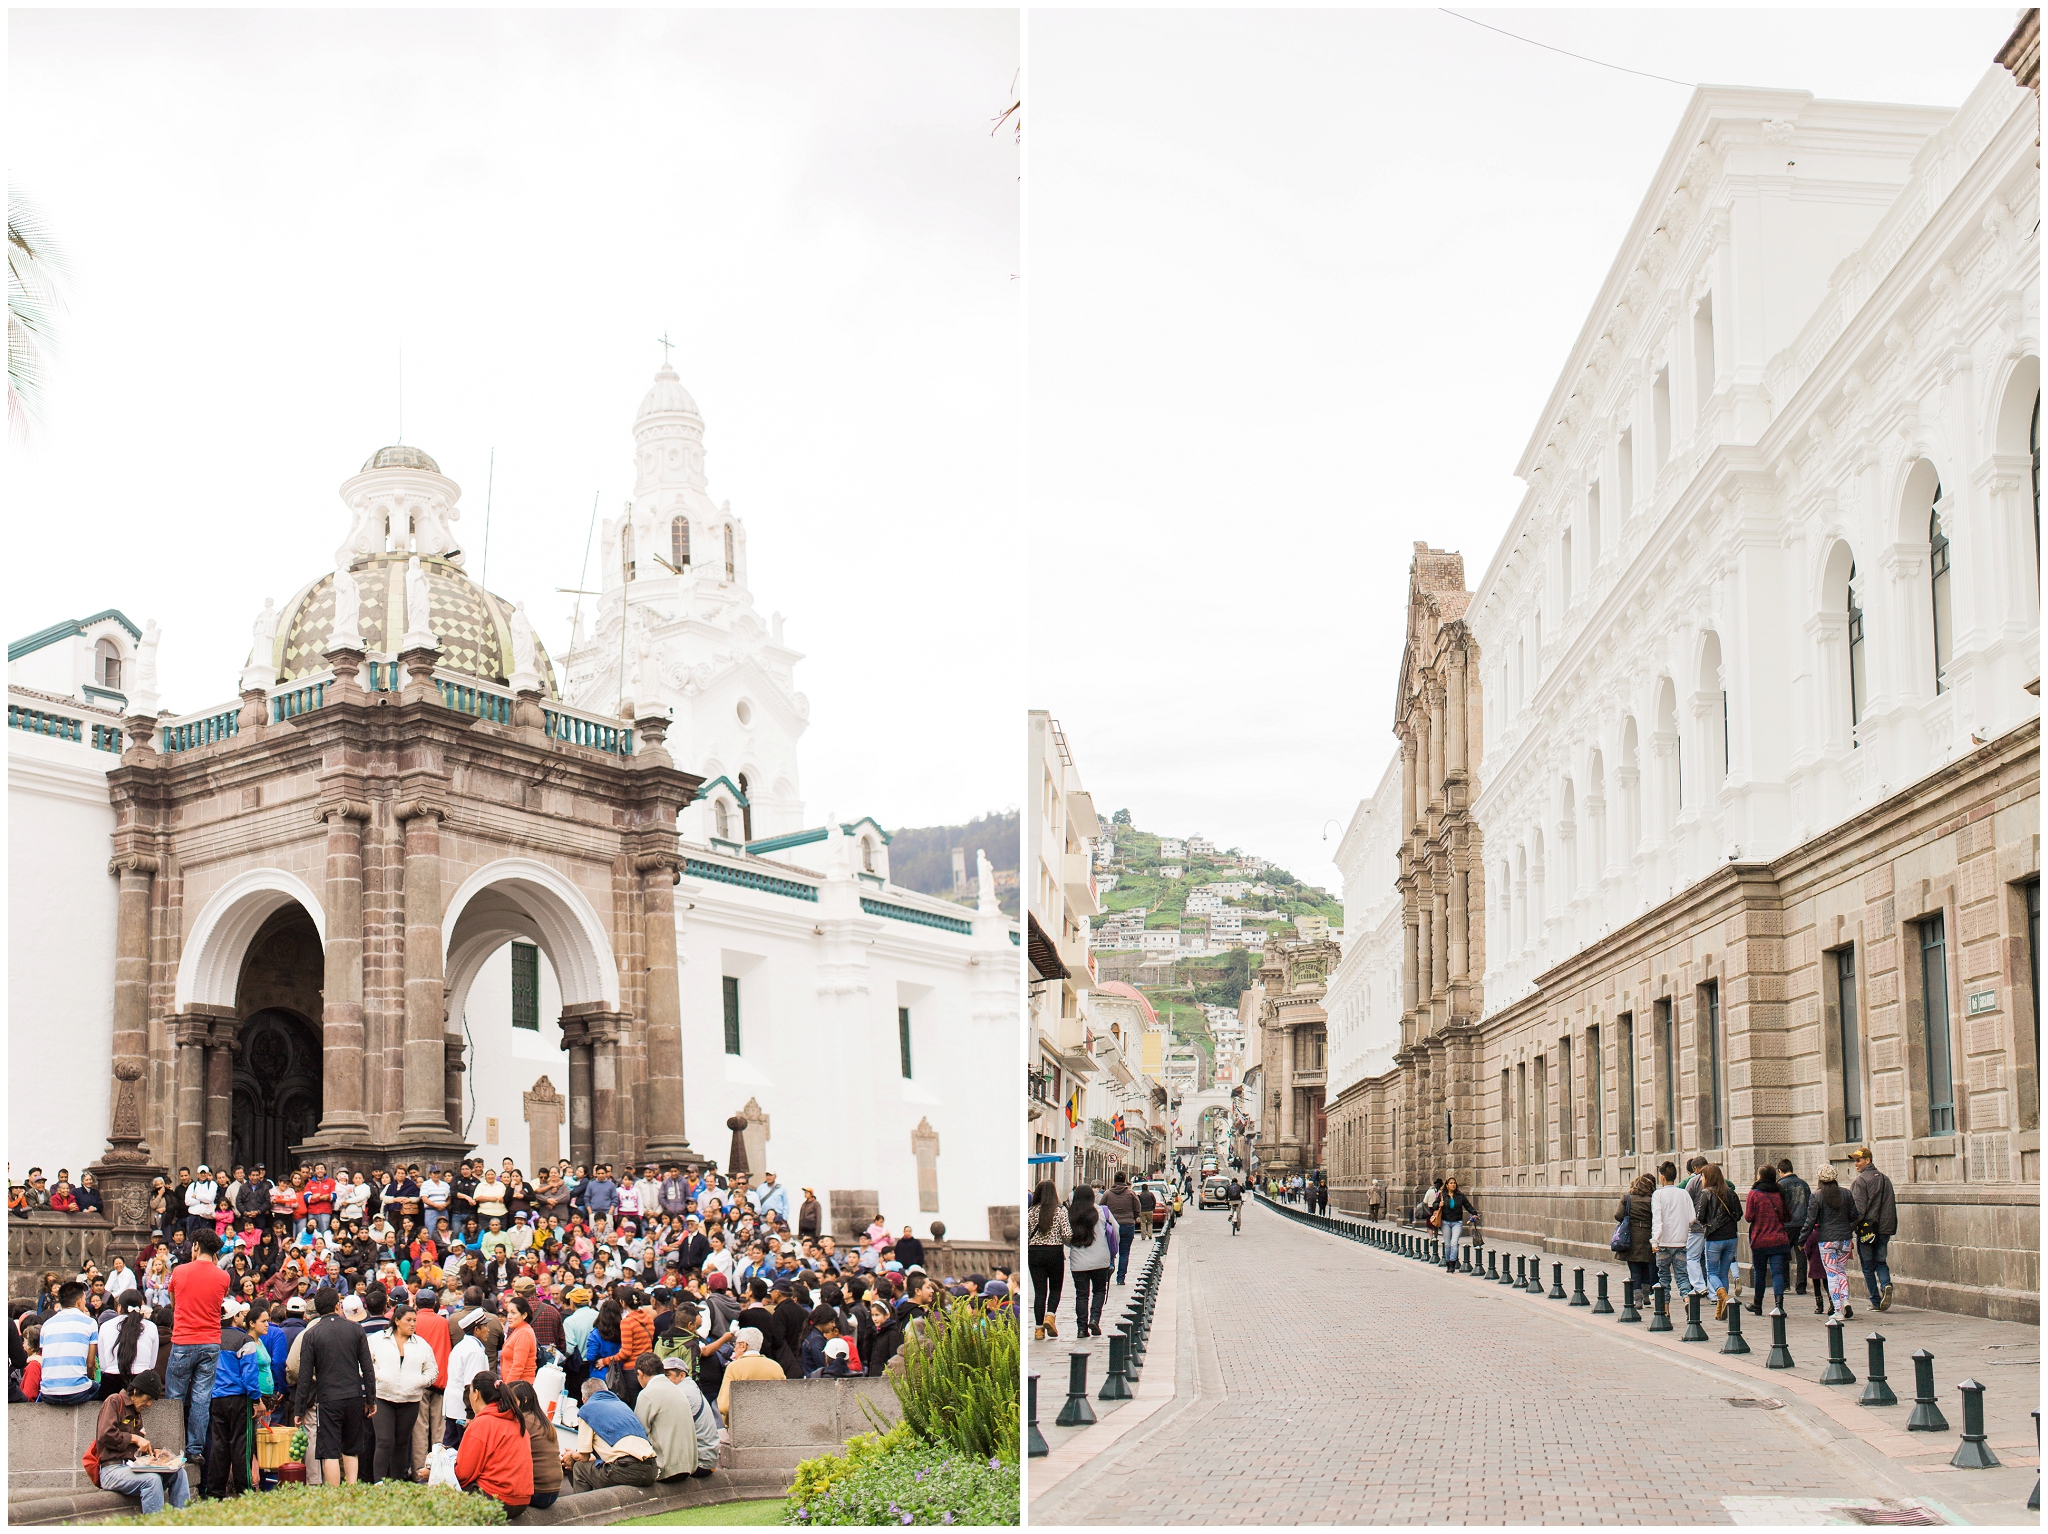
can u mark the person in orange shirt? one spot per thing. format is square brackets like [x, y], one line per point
[636, 1336]
[496, 1457]
[518, 1358]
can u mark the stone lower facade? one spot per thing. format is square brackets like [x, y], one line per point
[1787, 1009]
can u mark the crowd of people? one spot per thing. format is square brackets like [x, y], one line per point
[1091, 1235]
[1681, 1236]
[390, 1310]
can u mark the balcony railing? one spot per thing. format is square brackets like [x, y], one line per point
[476, 699]
[577, 728]
[202, 729]
[39, 721]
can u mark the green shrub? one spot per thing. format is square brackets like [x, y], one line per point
[815, 1478]
[918, 1484]
[388, 1502]
[956, 1380]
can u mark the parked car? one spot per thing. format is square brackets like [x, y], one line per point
[1215, 1192]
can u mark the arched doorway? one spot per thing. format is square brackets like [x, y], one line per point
[277, 1089]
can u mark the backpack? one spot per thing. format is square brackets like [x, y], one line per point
[1620, 1241]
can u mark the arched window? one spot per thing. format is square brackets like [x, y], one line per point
[626, 549]
[867, 853]
[728, 553]
[1944, 617]
[721, 820]
[679, 543]
[1856, 660]
[107, 664]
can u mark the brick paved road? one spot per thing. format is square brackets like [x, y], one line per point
[1323, 1382]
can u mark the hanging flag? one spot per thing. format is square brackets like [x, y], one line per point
[1073, 1107]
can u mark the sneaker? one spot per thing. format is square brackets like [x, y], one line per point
[1720, 1304]
[1735, 1286]
[1884, 1298]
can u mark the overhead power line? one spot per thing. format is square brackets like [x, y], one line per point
[1582, 58]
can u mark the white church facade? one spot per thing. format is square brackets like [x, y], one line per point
[401, 730]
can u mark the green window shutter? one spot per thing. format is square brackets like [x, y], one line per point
[525, 986]
[903, 1038]
[732, 1014]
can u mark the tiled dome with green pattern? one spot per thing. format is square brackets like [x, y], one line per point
[473, 626]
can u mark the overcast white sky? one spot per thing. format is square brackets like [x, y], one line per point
[1300, 283]
[258, 206]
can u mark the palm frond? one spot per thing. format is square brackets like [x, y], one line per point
[36, 270]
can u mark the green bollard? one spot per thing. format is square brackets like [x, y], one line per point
[1837, 1372]
[1926, 1417]
[1877, 1391]
[1114, 1387]
[1602, 1306]
[1036, 1440]
[1556, 1280]
[1579, 1287]
[1781, 1355]
[1077, 1412]
[1518, 1270]
[1660, 1318]
[1492, 1267]
[1629, 1313]
[1973, 1453]
[1694, 1332]
[1735, 1342]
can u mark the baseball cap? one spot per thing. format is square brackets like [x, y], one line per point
[836, 1348]
[204, 1167]
[681, 1365]
[231, 1307]
[996, 1289]
[353, 1307]
[296, 1305]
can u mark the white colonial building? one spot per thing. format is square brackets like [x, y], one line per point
[1777, 556]
[849, 1020]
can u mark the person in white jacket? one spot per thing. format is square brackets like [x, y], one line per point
[466, 1360]
[405, 1367]
[1088, 1259]
[1671, 1217]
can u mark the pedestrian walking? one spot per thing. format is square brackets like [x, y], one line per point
[1148, 1205]
[1633, 1245]
[1769, 1245]
[1720, 1223]
[1831, 1229]
[1696, 1234]
[1375, 1198]
[1453, 1208]
[1797, 1195]
[1877, 1221]
[1671, 1219]
[1089, 1257]
[1047, 1255]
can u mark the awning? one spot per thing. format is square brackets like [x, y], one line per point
[1040, 1160]
[1045, 958]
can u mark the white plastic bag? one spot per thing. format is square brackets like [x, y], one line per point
[549, 1381]
[441, 1467]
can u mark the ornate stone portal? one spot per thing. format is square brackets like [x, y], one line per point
[545, 1110]
[404, 830]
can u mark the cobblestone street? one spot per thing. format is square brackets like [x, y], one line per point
[1317, 1380]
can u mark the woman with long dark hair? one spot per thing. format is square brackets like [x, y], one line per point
[1047, 1256]
[1721, 1221]
[1770, 1245]
[496, 1456]
[1089, 1258]
[128, 1345]
[547, 1447]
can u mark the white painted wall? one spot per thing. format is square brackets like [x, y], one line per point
[504, 1062]
[60, 914]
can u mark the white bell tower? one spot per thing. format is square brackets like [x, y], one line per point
[676, 632]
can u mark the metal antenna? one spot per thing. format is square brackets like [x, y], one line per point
[490, 479]
[577, 616]
[401, 390]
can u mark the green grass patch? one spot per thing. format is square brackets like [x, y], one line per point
[759, 1510]
[387, 1502]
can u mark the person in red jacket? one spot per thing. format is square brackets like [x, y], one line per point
[430, 1324]
[496, 1457]
[1769, 1246]
[319, 1194]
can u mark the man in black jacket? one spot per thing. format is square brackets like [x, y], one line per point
[1877, 1217]
[337, 1374]
[1797, 1195]
[909, 1250]
[253, 1201]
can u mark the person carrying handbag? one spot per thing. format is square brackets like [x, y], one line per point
[1454, 1207]
[1631, 1239]
[1720, 1223]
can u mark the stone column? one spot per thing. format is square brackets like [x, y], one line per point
[1425, 752]
[1461, 926]
[666, 1142]
[425, 1100]
[604, 1096]
[220, 1094]
[1436, 742]
[1440, 947]
[1410, 933]
[191, 1035]
[451, 1081]
[137, 870]
[582, 1150]
[342, 1115]
[1454, 745]
[1425, 953]
[1408, 778]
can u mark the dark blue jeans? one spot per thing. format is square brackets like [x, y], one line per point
[190, 1379]
[1125, 1236]
[1876, 1271]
